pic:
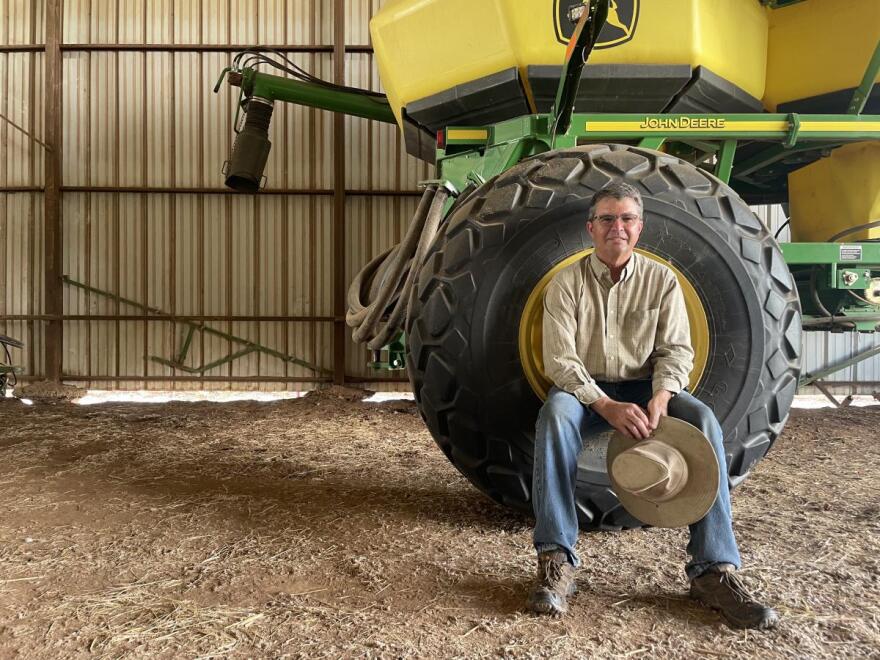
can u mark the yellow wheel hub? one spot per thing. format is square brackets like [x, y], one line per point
[531, 323]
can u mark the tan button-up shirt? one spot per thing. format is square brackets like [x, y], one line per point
[596, 329]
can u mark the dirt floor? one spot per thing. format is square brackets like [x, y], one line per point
[328, 527]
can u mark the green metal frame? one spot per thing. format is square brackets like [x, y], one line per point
[502, 145]
[178, 361]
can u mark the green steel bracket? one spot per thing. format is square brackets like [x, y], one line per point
[652, 142]
[852, 278]
[192, 327]
[810, 378]
[863, 91]
[725, 160]
[794, 123]
[394, 355]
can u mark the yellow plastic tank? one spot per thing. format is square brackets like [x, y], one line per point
[819, 48]
[836, 193]
[425, 47]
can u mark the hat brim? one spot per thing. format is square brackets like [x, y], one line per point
[698, 494]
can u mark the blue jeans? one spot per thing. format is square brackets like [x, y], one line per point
[563, 424]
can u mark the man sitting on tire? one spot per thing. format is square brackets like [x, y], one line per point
[617, 348]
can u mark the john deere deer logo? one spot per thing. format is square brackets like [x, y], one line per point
[620, 26]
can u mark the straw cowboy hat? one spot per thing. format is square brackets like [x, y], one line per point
[668, 480]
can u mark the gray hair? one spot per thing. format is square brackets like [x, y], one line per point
[618, 190]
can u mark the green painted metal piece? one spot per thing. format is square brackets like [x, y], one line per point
[832, 253]
[810, 378]
[391, 357]
[863, 91]
[652, 142]
[276, 88]
[177, 364]
[725, 160]
[192, 327]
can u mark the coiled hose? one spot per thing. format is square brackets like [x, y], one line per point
[379, 294]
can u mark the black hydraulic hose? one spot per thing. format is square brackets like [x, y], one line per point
[781, 227]
[853, 230]
[389, 278]
[841, 320]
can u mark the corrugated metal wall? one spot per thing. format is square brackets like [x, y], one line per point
[21, 174]
[145, 217]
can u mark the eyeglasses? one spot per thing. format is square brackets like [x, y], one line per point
[628, 219]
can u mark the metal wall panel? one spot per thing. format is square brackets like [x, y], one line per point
[22, 22]
[21, 273]
[191, 21]
[21, 102]
[211, 254]
[357, 20]
[376, 157]
[21, 166]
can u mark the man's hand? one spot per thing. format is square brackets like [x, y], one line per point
[658, 407]
[628, 418]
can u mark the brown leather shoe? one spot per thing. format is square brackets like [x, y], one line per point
[555, 583]
[722, 590]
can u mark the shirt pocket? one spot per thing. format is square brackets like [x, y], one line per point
[638, 335]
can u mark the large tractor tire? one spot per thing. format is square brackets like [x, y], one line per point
[473, 324]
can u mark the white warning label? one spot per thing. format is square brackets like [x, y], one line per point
[850, 252]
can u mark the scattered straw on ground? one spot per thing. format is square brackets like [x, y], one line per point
[327, 527]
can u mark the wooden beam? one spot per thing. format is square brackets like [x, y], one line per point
[339, 234]
[53, 234]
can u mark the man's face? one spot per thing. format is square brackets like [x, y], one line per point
[615, 229]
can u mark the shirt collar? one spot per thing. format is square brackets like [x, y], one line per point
[603, 273]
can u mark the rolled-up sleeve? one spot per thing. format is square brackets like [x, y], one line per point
[562, 364]
[673, 358]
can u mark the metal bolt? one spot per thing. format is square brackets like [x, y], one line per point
[849, 277]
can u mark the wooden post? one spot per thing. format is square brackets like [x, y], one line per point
[339, 233]
[54, 306]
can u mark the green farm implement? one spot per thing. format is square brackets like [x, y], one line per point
[527, 108]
